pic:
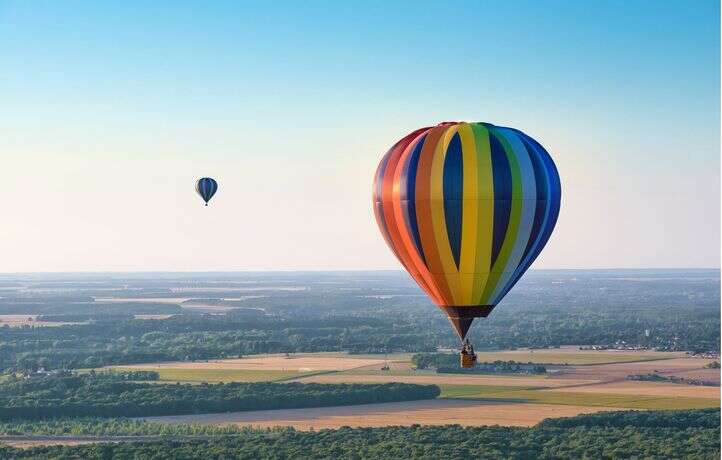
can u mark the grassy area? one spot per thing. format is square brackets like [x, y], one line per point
[478, 391]
[573, 358]
[536, 395]
[224, 375]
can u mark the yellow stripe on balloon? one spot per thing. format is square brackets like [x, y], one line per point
[485, 214]
[438, 217]
[469, 214]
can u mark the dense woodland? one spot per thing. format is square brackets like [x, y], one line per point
[367, 312]
[616, 435]
[106, 395]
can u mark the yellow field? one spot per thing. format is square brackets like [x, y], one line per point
[29, 320]
[561, 397]
[444, 379]
[572, 355]
[151, 316]
[619, 371]
[431, 412]
[297, 362]
[223, 375]
[630, 387]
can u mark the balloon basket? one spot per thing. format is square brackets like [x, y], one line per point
[467, 360]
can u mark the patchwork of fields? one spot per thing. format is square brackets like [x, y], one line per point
[580, 381]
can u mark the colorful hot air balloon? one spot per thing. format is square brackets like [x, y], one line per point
[206, 188]
[466, 208]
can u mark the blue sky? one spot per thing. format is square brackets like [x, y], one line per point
[110, 109]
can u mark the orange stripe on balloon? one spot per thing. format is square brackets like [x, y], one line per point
[423, 213]
[394, 222]
[426, 281]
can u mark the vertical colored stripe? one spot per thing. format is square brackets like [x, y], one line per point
[527, 199]
[449, 271]
[408, 194]
[485, 216]
[500, 264]
[453, 185]
[424, 213]
[470, 212]
[502, 194]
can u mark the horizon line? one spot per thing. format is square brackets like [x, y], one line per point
[398, 270]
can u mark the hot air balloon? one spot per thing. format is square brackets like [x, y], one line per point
[466, 208]
[206, 188]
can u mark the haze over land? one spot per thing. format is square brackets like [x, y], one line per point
[363, 348]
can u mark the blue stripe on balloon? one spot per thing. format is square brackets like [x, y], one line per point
[542, 194]
[501, 172]
[453, 185]
[408, 195]
[527, 212]
[379, 182]
[552, 205]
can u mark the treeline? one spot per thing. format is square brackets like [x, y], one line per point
[107, 395]
[128, 376]
[449, 363]
[100, 426]
[617, 435]
[195, 337]
[697, 418]
[671, 379]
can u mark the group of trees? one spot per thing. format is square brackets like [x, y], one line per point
[617, 435]
[449, 363]
[671, 379]
[107, 395]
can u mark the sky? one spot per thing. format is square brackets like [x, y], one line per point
[109, 112]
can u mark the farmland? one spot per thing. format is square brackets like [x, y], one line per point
[596, 383]
[223, 375]
[338, 328]
[575, 356]
[434, 412]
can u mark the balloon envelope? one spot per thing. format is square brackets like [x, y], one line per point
[466, 208]
[206, 188]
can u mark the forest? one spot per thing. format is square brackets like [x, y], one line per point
[369, 312]
[614, 435]
[199, 336]
[106, 395]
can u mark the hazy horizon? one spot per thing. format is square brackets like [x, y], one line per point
[321, 270]
[111, 112]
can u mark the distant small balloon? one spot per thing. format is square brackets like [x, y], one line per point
[206, 188]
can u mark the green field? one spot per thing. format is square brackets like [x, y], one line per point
[572, 358]
[536, 395]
